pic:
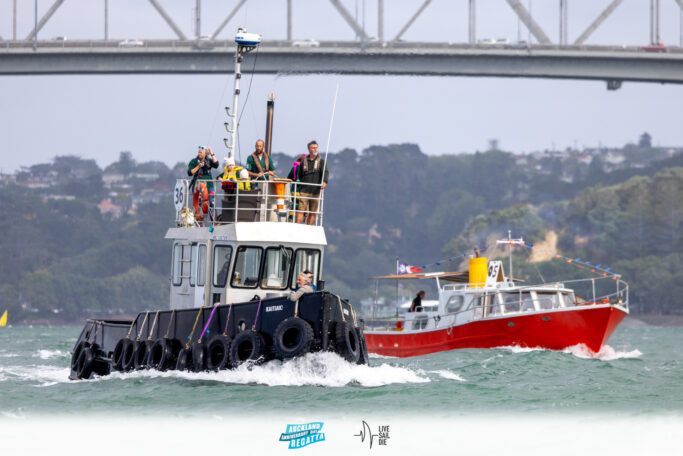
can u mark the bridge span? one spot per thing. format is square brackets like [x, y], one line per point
[608, 63]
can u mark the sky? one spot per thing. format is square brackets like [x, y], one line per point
[165, 117]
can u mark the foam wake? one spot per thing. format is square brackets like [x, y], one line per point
[606, 353]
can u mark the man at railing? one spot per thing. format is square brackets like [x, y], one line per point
[261, 167]
[311, 172]
[199, 169]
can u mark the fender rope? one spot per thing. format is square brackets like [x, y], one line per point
[142, 327]
[206, 326]
[227, 320]
[196, 320]
[169, 324]
[131, 327]
[149, 336]
[258, 310]
[340, 308]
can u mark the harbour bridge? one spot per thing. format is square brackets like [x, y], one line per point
[368, 50]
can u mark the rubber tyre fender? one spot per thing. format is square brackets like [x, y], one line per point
[85, 363]
[363, 358]
[142, 354]
[164, 354]
[184, 359]
[198, 357]
[76, 353]
[218, 353]
[119, 350]
[346, 338]
[128, 363]
[292, 337]
[246, 346]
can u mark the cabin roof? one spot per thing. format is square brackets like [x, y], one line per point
[253, 232]
[458, 276]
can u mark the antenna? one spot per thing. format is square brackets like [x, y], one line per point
[246, 42]
[329, 133]
[510, 242]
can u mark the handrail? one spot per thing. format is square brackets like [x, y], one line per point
[261, 203]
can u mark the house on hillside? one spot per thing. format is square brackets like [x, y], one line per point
[106, 207]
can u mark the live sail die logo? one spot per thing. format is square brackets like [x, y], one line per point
[366, 433]
[301, 435]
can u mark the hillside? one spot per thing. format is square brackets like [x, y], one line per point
[79, 240]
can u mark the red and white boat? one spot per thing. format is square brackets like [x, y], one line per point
[482, 308]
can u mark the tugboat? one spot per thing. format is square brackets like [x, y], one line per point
[231, 276]
[483, 308]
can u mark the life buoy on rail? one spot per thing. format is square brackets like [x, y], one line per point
[119, 351]
[164, 354]
[142, 354]
[292, 337]
[218, 353]
[246, 346]
[348, 345]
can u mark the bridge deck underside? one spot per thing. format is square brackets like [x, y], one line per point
[626, 66]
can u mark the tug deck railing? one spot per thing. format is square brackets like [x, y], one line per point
[261, 202]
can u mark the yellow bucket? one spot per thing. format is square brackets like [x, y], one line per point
[478, 272]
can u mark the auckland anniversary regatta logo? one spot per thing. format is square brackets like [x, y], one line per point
[301, 435]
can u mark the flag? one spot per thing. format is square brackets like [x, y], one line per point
[403, 268]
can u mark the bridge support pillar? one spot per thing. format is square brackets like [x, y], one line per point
[473, 22]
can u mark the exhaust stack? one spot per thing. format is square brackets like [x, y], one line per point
[270, 108]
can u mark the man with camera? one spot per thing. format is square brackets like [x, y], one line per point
[199, 169]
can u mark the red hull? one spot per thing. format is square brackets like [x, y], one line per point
[556, 330]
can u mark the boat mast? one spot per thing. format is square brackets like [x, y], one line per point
[510, 242]
[246, 42]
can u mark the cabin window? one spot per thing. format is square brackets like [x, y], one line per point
[454, 303]
[247, 267]
[276, 268]
[193, 265]
[222, 254]
[177, 264]
[201, 265]
[548, 300]
[511, 301]
[306, 260]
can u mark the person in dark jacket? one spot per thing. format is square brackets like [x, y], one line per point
[199, 169]
[416, 306]
[311, 172]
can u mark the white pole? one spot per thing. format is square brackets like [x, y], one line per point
[235, 102]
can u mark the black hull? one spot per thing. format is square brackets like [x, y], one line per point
[323, 311]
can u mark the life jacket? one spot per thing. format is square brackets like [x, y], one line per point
[316, 165]
[234, 176]
[257, 162]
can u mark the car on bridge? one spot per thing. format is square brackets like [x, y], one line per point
[131, 43]
[310, 43]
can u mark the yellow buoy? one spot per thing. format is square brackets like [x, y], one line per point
[478, 272]
[3, 319]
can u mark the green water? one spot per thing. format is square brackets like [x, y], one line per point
[639, 372]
